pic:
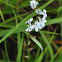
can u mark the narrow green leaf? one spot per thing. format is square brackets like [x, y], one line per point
[5, 45]
[1, 14]
[53, 21]
[20, 50]
[46, 49]
[37, 42]
[3, 55]
[5, 61]
[48, 44]
[40, 58]
[37, 54]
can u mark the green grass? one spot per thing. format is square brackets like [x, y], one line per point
[14, 14]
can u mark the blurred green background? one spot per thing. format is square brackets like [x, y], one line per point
[16, 45]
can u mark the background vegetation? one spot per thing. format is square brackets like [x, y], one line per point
[16, 45]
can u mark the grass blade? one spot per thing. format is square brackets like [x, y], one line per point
[2, 16]
[53, 21]
[37, 42]
[5, 45]
[20, 50]
[48, 44]
[40, 58]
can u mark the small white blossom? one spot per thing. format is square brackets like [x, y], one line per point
[37, 10]
[30, 28]
[40, 23]
[33, 4]
[41, 13]
[33, 26]
[39, 19]
[44, 21]
[37, 26]
[44, 11]
[44, 17]
[29, 21]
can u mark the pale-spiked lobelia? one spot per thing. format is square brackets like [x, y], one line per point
[40, 23]
[33, 4]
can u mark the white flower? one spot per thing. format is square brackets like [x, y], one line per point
[41, 13]
[37, 26]
[36, 29]
[44, 21]
[44, 17]
[33, 4]
[33, 26]
[39, 19]
[30, 28]
[37, 10]
[40, 23]
[29, 21]
[44, 11]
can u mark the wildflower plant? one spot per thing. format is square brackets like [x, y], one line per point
[40, 22]
[24, 40]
